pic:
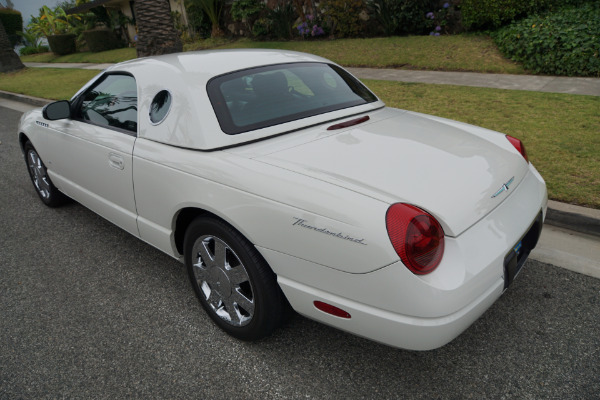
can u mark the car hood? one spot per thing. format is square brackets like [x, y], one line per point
[450, 169]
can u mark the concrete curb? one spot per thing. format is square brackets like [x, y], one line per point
[34, 101]
[579, 219]
[576, 218]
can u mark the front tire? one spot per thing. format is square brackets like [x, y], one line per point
[233, 282]
[44, 187]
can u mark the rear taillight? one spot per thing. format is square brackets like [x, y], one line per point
[519, 146]
[416, 236]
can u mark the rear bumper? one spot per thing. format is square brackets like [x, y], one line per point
[382, 326]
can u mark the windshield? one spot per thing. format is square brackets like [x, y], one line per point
[260, 97]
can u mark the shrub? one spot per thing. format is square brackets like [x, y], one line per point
[343, 16]
[482, 14]
[198, 20]
[27, 50]
[312, 27]
[247, 11]
[400, 17]
[62, 44]
[386, 14]
[101, 40]
[32, 42]
[261, 28]
[565, 42]
[213, 9]
[13, 23]
[444, 20]
[277, 23]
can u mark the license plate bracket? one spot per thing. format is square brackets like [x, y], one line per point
[516, 257]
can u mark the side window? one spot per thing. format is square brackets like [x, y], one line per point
[161, 104]
[111, 103]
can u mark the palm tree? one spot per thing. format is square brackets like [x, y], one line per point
[156, 32]
[9, 61]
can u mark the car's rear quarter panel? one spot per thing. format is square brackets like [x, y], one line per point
[262, 202]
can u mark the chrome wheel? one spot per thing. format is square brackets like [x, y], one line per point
[44, 187]
[234, 284]
[223, 280]
[37, 170]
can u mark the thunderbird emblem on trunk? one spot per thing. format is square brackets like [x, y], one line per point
[504, 187]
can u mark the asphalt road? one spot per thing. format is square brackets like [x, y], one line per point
[88, 311]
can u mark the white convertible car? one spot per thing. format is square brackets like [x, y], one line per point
[280, 180]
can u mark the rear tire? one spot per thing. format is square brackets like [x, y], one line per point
[233, 282]
[49, 194]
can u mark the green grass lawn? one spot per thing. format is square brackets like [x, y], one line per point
[48, 83]
[445, 53]
[110, 56]
[561, 132]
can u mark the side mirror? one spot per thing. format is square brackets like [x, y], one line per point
[57, 110]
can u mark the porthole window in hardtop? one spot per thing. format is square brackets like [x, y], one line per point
[112, 103]
[266, 96]
[161, 104]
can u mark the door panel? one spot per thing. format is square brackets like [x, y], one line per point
[94, 166]
[90, 155]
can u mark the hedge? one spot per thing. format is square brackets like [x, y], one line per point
[101, 40]
[565, 42]
[13, 23]
[484, 14]
[62, 44]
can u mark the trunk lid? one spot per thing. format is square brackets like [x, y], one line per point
[447, 168]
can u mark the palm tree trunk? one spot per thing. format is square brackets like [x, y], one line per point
[156, 31]
[9, 60]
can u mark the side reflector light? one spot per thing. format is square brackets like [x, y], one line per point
[333, 310]
[417, 237]
[519, 146]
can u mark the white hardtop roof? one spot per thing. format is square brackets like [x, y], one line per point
[210, 63]
[191, 122]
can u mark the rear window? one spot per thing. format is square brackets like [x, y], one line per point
[261, 97]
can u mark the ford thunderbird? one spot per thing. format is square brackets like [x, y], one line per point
[283, 183]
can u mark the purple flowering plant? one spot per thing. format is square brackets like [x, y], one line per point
[440, 20]
[310, 27]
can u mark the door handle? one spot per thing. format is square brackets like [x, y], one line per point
[115, 161]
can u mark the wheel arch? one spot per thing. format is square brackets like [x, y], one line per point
[185, 216]
[182, 220]
[23, 138]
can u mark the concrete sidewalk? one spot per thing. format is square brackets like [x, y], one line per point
[67, 65]
[535, 83]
